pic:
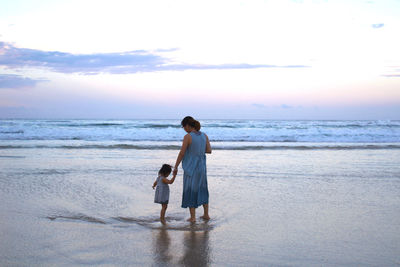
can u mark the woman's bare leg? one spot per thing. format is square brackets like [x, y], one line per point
[205, 216]
[192, 215]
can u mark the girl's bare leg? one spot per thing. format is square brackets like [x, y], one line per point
[205, 216]
[162, 213]
[192, 215]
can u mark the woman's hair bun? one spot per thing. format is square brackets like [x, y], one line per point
[188, 120]
[197, 125]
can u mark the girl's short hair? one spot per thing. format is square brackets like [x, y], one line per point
[188, 120]
[165, 170]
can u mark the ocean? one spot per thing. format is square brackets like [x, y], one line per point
[225, 134]
[282, 193]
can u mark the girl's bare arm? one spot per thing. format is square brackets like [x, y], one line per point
[169, 181]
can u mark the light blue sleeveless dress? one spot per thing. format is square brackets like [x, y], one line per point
[162, 192]
[195, 188]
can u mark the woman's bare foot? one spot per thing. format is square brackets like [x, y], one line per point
[192, 220]
[205, 217]
[163, 221]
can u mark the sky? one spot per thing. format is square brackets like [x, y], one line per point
[210, 59]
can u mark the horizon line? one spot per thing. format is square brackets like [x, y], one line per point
[270, 119]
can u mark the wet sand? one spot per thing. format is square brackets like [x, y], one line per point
[277, 208]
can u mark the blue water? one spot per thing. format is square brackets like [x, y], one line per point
[226, 134]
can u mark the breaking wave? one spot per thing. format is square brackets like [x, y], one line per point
[311, 146]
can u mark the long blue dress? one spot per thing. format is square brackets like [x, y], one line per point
[195, 189]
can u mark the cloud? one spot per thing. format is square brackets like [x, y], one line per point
[257, 105]
[391, 75]
[13, 81]
[116, 63]
[377, 25]
[15, 112]
[282, 106]
[392, 71]
[285, 106]
[133, 61]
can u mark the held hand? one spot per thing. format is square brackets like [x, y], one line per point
[175, 172]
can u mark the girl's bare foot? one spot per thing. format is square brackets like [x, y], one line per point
[192, 220]
[205, 217]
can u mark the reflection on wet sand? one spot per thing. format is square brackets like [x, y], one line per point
[161, 246]
[196, 250]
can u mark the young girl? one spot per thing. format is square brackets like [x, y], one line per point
[162, 191]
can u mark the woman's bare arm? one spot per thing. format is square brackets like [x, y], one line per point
[208, 145]
[186, 141]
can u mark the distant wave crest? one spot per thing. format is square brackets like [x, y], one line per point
[340, 131]
[216, 147]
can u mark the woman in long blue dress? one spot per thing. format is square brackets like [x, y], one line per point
[195, 145]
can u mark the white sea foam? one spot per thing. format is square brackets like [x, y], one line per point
[376, 131]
